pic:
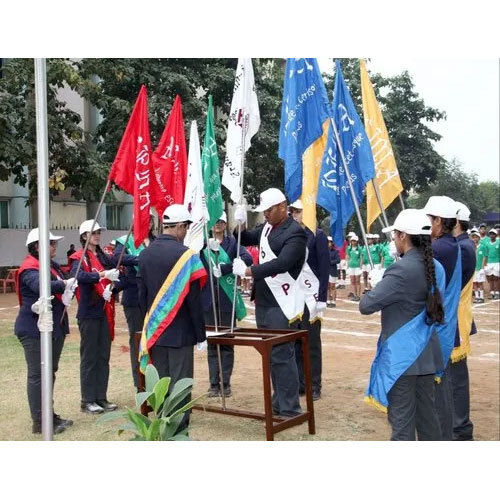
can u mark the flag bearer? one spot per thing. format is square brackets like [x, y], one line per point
[318, 260]
[26, 328]
[170, 280]
[221, 252]
[278, 299]
[408, 351]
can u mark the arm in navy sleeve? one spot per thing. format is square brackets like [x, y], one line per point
[323, 259]
[31, 278]
[244, 255]
[142, 290]
[387, 292]
[292, 251]
[83, 277]
[193, 301]
[249, 236]
[127, 260]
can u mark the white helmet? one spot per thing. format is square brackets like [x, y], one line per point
[86, 226]
[176, 213]
[34, 235]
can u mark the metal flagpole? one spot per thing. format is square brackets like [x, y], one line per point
[354, 200]
[401, 201]
[210, 272]
[45, 316]
[380, 204]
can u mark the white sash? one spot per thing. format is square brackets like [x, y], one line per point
[289, 293]
[310, 286]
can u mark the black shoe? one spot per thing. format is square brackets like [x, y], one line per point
[356, 298]
[106, 405]
[316, 394]
[62, 421]
[92, 408]
[227, 391]
[351, 295]
[213, 392]
[57, 428]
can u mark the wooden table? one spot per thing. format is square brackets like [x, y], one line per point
[263, 341]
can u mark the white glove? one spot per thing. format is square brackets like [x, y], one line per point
[375, 276]
[112, 274]
[69, 291]
[392, 249]
[36, 307]
[202, 346]
[106, 295]
[320, 307]
[213, 244]
[217, 272]
[239, 267]
[240, 214]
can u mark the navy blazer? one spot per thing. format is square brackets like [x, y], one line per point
[288, 241]
[155, 264]
[130, 295]
[401, 295]
[229, 244]
[319, 260]
[29, 288]
[334, 260]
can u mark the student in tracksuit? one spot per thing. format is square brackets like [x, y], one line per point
[94, 291]
[319, 261]
[288, 242]
[26, 329]
[223, 306]
[442, 211]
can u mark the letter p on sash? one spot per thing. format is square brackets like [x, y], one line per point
[285, 287]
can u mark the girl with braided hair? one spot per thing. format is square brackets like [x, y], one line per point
[408, 351]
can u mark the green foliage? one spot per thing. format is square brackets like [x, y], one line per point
[167, 410]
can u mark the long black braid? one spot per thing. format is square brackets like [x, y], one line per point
[434, 302]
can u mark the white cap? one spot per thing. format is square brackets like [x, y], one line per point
[350, 234]
[112, 242]
[176, 213]
[369, 236]
[441, 206]
[492, 230]
[223, 217]
[411, 221]
[297, 205]
[34, 235]
[269, 198]
[375, 235]
[86, 226]
[463, 213]
[354, 237]
[474, 230]
[329, 238]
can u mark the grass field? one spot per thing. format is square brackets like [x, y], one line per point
[348, 340]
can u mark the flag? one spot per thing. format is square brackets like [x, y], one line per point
[244, 121]
[132, 167]
[304, 109]
[194, 198]
[210, 170]
[387, 176]
[170, 161]
[334, 194]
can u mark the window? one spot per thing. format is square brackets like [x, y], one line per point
[114, 216]
[4, 214]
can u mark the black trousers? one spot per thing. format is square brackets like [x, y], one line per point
[444, 404]
[412, 407]
[135, 320]
[31, 346]
[95, 351]
[314, 330]
[284, 374]
[462, 425]
[176, 363]
[226, 353]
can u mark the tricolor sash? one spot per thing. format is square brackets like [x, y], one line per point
[91, 264]
[464, 323]
[168, 301]
[288, 293]
[399, 351]
[446, 331]
[227, 281]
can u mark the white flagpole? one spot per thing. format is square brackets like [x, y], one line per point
[45, 316]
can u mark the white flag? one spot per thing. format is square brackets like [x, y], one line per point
[244, 121]
[194, 197]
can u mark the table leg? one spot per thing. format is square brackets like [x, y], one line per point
[308, 382]
[268, 407]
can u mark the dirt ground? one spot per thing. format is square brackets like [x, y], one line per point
[349, 342]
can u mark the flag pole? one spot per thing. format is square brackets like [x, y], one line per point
[401, 201]
[212, 291]
[45, 316]
[354, 200]
[380, 204]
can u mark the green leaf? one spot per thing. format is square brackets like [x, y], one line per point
[140, 397]
[113, 415]
[160, 391]
[180, 437]
[154, 430]
[187, 406]
[151, 377]
[142, 423]
[171, 426]
[180, 391]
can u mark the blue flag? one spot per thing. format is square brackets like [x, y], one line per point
[333, 190]
[304, 109]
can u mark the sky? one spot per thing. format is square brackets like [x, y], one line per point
[468, 91]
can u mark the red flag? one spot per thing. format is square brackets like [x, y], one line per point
[132, 166]
[170, 162]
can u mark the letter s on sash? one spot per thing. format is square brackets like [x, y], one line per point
[307, 283]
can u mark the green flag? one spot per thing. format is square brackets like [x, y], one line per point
[210, 170]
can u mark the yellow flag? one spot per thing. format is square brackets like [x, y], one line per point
[311, 167]
[386, 172]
